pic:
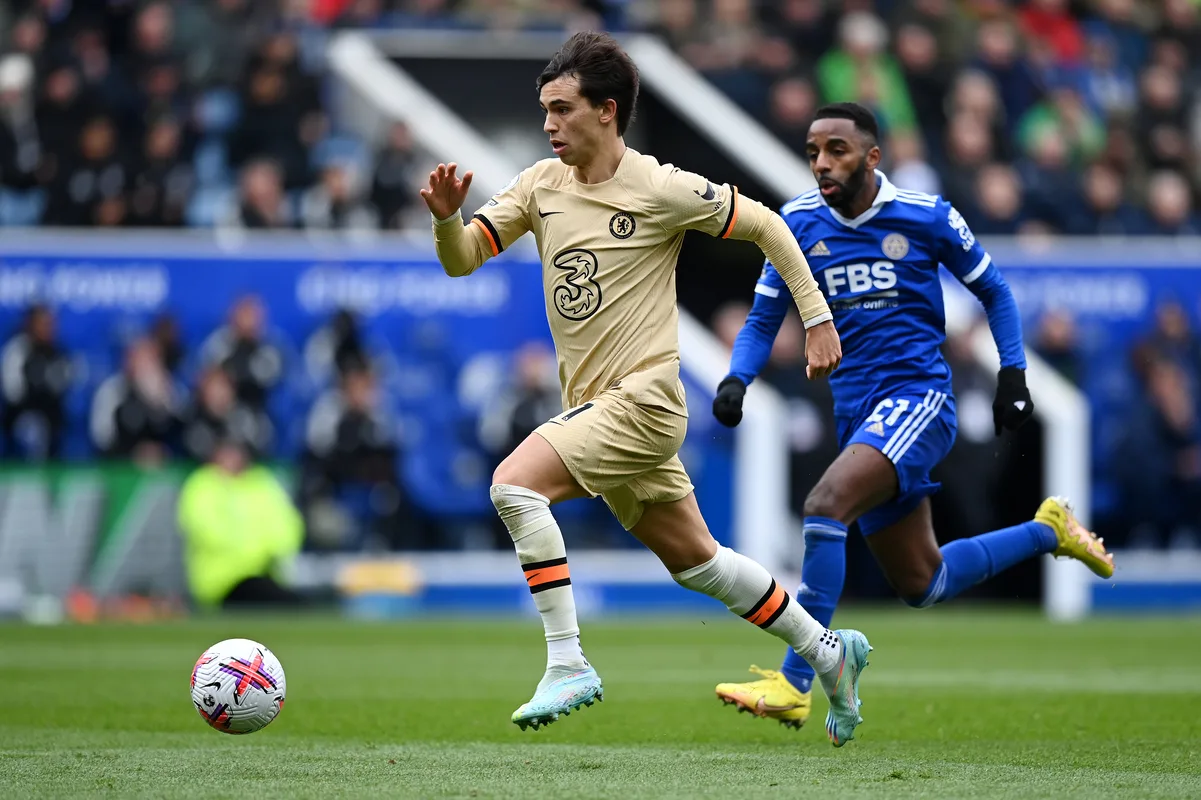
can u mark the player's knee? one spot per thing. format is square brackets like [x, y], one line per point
[506, 474]
[514, 471]
[826, 500]
[686, 555]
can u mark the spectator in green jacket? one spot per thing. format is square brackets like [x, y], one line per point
[239, 527]
[861, 71]
[1065, 112]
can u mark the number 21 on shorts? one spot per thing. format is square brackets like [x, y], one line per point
[888, 412]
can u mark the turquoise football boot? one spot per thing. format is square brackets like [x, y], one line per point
[561, 691]
[842, 687]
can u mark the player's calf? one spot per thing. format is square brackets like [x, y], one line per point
[543, 556]
[569, 681]
[749, 590]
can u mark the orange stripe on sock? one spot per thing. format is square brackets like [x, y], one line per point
[777, 599]
[495, 245]
[537, 577]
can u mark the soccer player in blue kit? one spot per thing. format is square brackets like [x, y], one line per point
[875, 251]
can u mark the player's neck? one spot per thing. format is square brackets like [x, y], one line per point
[862, 201]
[603, 165]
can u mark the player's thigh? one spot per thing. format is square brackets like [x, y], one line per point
[886, 460]
[676, 532]
[860, 479]
[908, 552]
[537, 466]
[609, 441]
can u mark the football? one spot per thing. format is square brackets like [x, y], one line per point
[238, 686]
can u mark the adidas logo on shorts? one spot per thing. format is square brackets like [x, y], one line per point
[876, 428]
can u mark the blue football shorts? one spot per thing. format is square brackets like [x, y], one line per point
[915, 432]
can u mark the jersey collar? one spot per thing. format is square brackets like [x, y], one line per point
[887, 194]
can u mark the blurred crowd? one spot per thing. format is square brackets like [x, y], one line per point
[336, 409]
[1068, 116]
[1043, 115]
[197, 112]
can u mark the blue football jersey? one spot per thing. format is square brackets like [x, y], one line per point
[879, 273]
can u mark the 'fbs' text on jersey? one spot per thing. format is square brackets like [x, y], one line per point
[879, 273]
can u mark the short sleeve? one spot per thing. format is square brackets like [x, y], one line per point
[958, 249]
[690, 202]
[770, 283]
[505, 218]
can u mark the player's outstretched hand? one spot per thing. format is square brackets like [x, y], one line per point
[727, 405]
[1012, 406]
[823, 350]
[446, 193]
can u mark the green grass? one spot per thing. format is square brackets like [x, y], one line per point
[958, 703]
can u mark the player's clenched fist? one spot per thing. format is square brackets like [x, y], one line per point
[727, 404]
[446, 193]
[823, 350]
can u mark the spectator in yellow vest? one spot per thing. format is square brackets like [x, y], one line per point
[239, 526]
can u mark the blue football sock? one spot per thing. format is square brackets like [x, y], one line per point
[966, 562]
[822, 575]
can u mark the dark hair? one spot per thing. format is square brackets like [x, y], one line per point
[864, 119]
[603, 69]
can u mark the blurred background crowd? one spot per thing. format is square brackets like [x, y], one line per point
[1043, 116]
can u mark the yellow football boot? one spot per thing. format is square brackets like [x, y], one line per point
[772, 697]
[1075, 541]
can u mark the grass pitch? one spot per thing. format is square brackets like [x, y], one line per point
[958, 703]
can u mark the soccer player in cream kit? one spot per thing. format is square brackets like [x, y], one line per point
[875, 251]
[609, 223]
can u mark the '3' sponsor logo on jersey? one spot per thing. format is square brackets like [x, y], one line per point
[577, 295]
[855, 278]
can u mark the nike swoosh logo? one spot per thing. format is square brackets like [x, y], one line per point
[764, 708]
[545, 214]
[709, 194]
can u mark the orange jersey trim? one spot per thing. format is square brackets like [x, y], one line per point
[733, 219]
[492, 243]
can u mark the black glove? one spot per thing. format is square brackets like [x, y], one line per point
[1012, 405]
[727, 406]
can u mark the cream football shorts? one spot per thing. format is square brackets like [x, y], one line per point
[623, 451]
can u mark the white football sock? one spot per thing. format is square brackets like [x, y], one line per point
[543, 558]
[749, 591]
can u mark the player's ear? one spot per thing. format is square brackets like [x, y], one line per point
[608, 111]
[873, 156]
